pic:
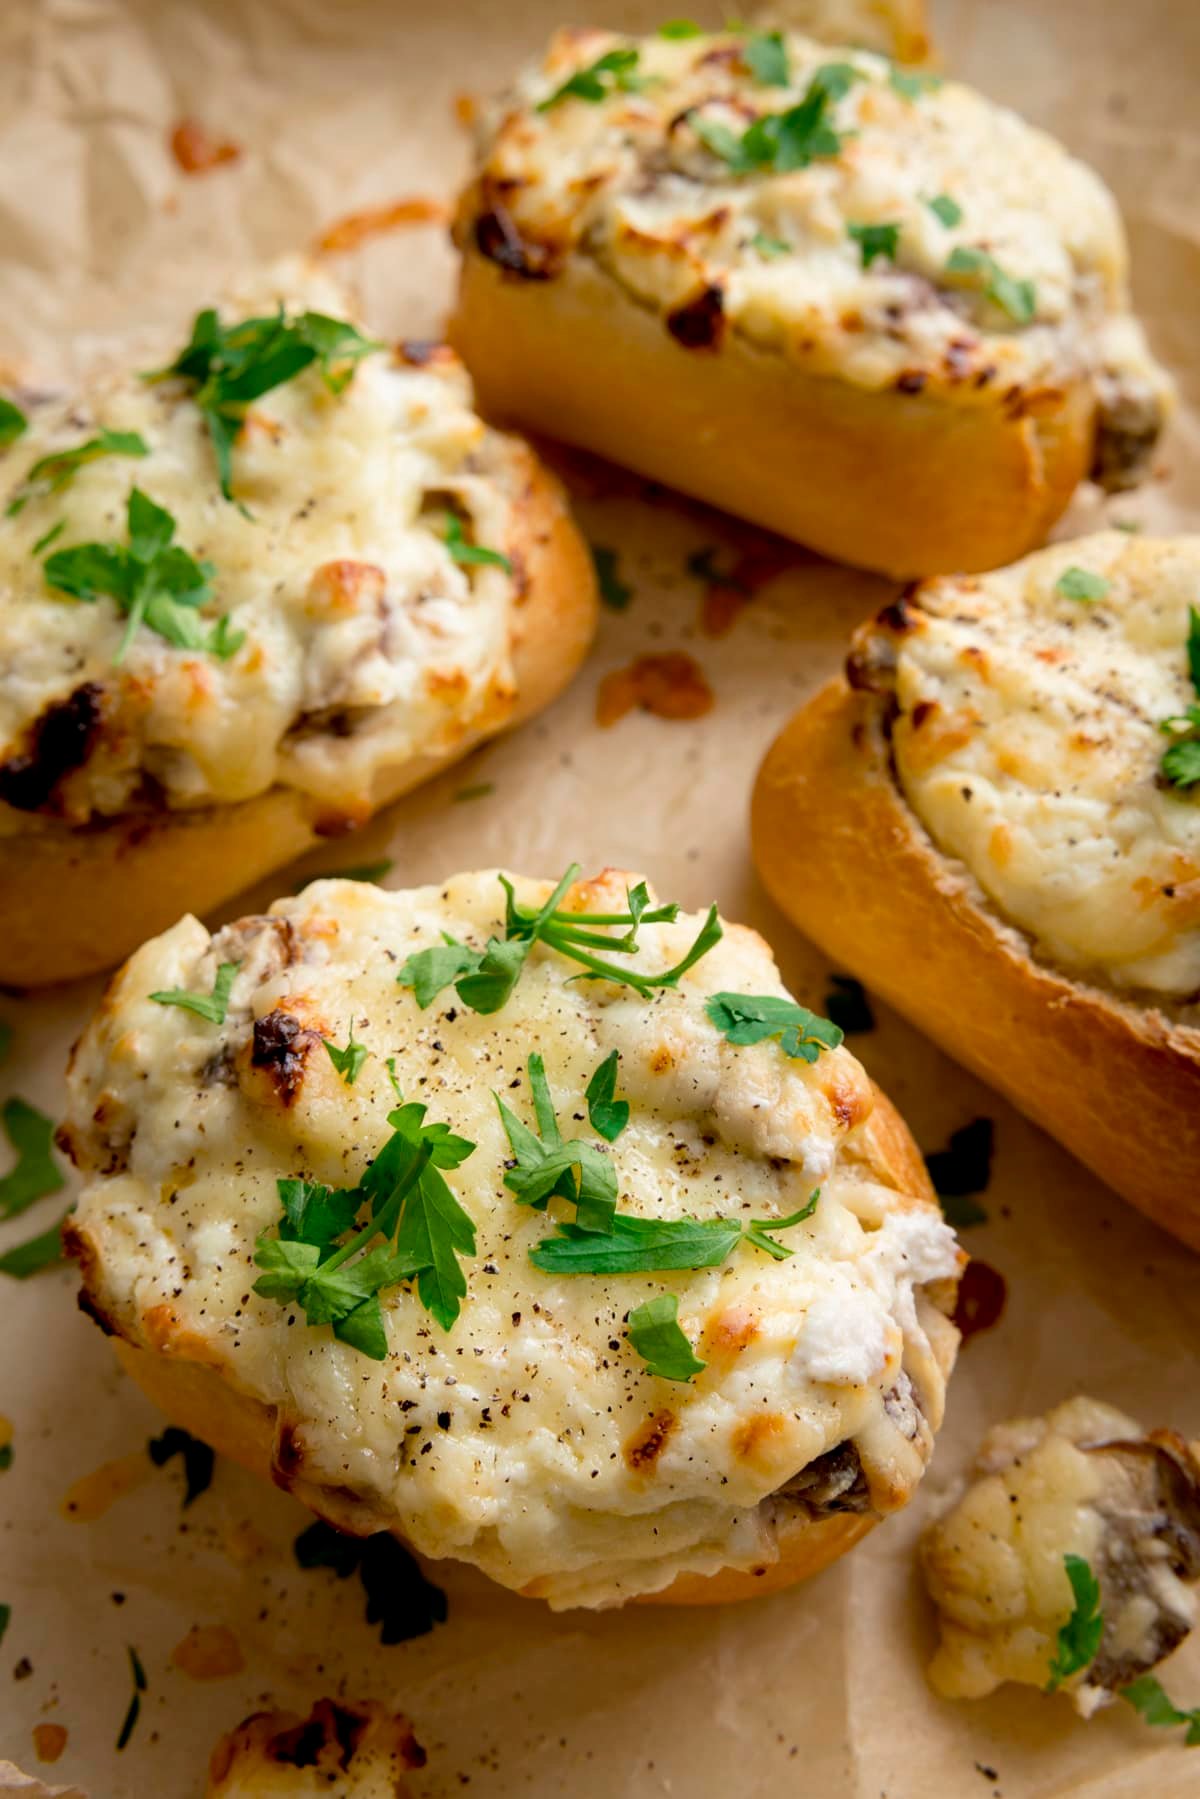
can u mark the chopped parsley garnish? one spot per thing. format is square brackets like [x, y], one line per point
[5, 1620]
[947, 209]
[153, 581]
[49, 537]
[755, 1017]
[1079, 1638]
[614, 592]
[484, 979]
[660, 1245]
[469, 554]
[198, 1459]
[1016, 298]
[782, 141]
[613, 73]
[423, 1227]
[875, 240]
[348, 1061]
[912, 83]
[767, 57]
[35, 1173]
[544, 1164]
[606, 1115]
[848, 1007]
[13, 423]
[36, 1253]
[770, 247]
[1081, 584]
[679, 28]
[1146, 1696]
[1181, 762]
[212, 1006]
[50, 474]
[231, 366]
[658, 1337]
[362, 871]
[962, 1170]
[399, 1598]
[135, 1703]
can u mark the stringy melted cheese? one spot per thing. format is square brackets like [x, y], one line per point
[1028, 744]
[627, 182]
[530, 1440]
[366, 644]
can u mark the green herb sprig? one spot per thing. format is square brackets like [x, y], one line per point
[152, 580]
[348, 1061]
[135, 1704]
[662, 1245]
[875, 241]
[472, 554]
[1079, 1638]
[658, 1337]
[212, 1006]
[1018, 299]
[947, 209]
[13, 423]
[484, 979]
[756, 1017]
[544, 1165]
[767, 57]
[1081, 584]
[615, 593]
[35, 1174]
[424, 1232]
[613, 73]
[1180, 763]
[50, 474]
[231, 366]
[780, 142]
[607, 1115]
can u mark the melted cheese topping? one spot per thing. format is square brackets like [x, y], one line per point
[531, 1440]
[1028, 744]
[994, 1564]
[366, 644]
[627, 182]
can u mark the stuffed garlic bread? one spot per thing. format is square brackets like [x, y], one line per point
[1070, 1562]
[867, 309]
[246, 601]
[994, 820]
[538, 1226]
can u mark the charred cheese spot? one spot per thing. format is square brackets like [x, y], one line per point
[281, 1047]
[648, 1442]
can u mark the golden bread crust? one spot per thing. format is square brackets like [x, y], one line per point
[906, 483]
[846, 859]
[75, 901]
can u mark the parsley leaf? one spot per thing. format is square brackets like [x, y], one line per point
[484, 979]
[1147, 1697]
[544, 1164]
[847, 1005]
[232, 366]
[1193, 647]
[35, 1174]
[912, 83]
[13, 423]
[658, 1337]
[1181, 762]
[152, 580]
[212, 1006]
[399, 1598]
[1079, 1638]
[49, 537]
[135, 1703]
[50, 474]
[613, 73]
[875, 240]
[348, 1061]
[770, 247]
[614, 592]
[783, 141]
[198, 1459]
[606, 1115]
[660, 1245]
[423, 1227]
[36, 1253]
[1081, 584]
[755, 1017]
[471, 553]
[1016, 298]
[680, 28]
[947, 209]
[766, 54]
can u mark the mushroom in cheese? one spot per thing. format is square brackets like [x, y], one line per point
[539, 1226]
[1082, 1482]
